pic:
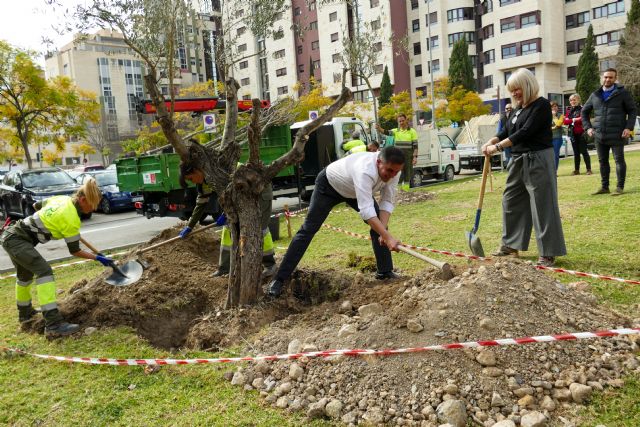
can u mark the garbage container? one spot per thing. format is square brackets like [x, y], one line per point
[274, 228]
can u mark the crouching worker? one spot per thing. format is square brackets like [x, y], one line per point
[55, 218]
[353, 180]
[196, 176]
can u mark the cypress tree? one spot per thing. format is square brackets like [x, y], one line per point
[588, 74]
[385, 98]
[460, 67]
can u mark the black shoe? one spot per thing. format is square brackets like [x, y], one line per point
[220, 273]
[601, 191]
[387, 275]
[618, 191]
[26, 313]
[275, 288]
[61, 329]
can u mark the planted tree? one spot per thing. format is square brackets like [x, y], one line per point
[460, 67]
[30, 104]
[151, 29]
[588, 73]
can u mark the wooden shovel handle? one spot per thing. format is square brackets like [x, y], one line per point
[90, 246]
[444, 267]
[483, 185]
[173, 239]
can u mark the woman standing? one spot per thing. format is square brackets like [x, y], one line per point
[556, 131]
[576, 133]
[55, 218]
[531, 195]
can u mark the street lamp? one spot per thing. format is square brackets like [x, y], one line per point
[429, 47]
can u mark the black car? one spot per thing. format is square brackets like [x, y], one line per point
[20, 189]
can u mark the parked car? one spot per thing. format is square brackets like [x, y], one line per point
[112, 198]
[636, 130]
[567, 149]
[20, 189]
[88, 167]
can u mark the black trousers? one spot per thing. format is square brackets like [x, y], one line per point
[605, 169]
[579, 146]
[323, 199]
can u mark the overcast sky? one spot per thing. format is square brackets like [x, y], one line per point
[26, 22]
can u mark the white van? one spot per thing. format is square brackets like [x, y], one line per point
[438, 157]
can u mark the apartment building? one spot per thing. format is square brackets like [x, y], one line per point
[545, 36]
[308, 42]
[103, 64]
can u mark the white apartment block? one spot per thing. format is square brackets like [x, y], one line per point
[545, 36]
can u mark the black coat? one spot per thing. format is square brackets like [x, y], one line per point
[611, 117]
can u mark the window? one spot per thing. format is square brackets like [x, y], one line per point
[418, 70]
[378, 68]
[469, 36]
[336, 57]
[435, 43]
[316, 64]
[460, 14]
[577, 20]
[432, 18]
[607, 63]
[508, 24]
[506, 2]
[301, 68]
[487, 6]
[571, 73]
[315, 45]
[337, 77]
[611, 9]
[239, 13]
[334, 37]
[528, 20]
[313, 25]
[240, 31]
[299, 50]
[377, 47]
[415, 25]
[278, 34]
[245, 81]
[283, 90]
[333, 16]
[434, 66]
[375, 25]
[244, 64]
[416, 48]
[508, 51]
[414, 4]
[610, 38]
[487, 32]
[374, 3]
[281, 72]
[575, 46]
[242, 47]
[487, 82]
[529, 47]
[489, 57]
[297, 11]
[312, 5]
[279, 54]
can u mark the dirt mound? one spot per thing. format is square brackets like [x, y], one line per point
[405, 197]
[510, 299]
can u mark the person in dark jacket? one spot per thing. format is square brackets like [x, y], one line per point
[614, 115]
[530, 196]
[573, 119]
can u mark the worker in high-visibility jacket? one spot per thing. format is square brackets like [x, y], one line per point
[355, 145]
[55, 218]
[195, 175]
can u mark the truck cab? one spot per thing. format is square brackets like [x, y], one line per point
[437, 158]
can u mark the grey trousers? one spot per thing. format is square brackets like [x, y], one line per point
[531, 199]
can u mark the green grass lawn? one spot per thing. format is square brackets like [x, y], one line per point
[602, 234]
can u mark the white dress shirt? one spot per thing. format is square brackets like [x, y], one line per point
[356, 177]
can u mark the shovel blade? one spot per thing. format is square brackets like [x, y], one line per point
[128, 273]
[475, 245]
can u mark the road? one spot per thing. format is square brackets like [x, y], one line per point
[104, 232]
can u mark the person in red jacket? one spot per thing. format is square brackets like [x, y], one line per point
[576, 133]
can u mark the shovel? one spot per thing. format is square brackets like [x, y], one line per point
[445, 268]
[124, 275]
[175, 239]
[474, 241]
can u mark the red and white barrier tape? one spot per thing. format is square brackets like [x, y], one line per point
[67, 264]
[328, 353]
[477, 258]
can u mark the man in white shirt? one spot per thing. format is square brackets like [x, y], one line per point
[353, 180]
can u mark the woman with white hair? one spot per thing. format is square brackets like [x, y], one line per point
[530, 196]
[55, 218]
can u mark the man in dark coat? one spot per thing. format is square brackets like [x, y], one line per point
[614, 115]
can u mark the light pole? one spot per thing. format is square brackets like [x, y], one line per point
[429, 47]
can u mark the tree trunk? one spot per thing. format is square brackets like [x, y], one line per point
[373, 100]
[23, 134]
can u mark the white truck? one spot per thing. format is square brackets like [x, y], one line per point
[469, 142]
[438, 157]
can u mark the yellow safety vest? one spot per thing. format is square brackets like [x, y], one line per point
[58, 219]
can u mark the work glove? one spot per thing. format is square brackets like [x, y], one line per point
[185, 232]
[107, 262]
[222, 219]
